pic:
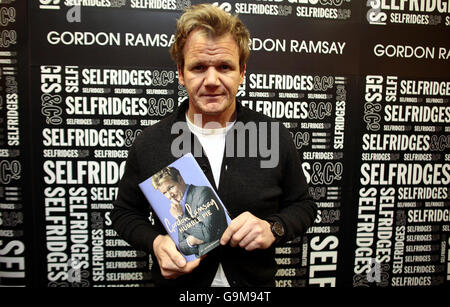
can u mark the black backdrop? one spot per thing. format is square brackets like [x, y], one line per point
[363, 86]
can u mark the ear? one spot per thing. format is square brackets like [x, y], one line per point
[243, 73]
[180, 75]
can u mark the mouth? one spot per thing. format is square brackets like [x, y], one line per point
[213, 98]
[175, 198]
[212, 94]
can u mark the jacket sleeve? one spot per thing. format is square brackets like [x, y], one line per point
[297, 208]
[185, 248]
[131, 210]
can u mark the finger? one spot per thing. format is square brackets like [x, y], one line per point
[247, 239]
[254, 244]
[170, 256]
[232, 228]
[169, 268]
[168, 274]
[188, 268]
[176, 258]
[242, 236]
[226, 236]
[258, 238]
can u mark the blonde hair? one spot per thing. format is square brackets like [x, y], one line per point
[165, 174]
[214, 21]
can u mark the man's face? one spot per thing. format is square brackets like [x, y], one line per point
[211, 73]
[173, 190]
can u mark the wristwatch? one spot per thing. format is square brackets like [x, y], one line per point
[277, 229]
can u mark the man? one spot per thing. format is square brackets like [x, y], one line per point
[268, 205]
[197, 233]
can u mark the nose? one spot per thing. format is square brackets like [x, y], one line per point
[211, 77]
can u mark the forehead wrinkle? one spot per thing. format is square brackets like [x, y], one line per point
[211, 49]
[204, 46]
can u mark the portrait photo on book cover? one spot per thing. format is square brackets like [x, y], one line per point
[188, 207]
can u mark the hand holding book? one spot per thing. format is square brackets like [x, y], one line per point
[175, 209]
[194, 241]
[171, 262]
[248, 232]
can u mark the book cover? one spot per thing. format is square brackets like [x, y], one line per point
[187, 206]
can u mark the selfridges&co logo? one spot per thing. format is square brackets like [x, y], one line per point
[420, 12]
[56, 4]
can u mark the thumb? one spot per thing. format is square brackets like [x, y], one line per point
[176, 256]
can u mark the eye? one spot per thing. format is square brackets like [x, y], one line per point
[198, 68]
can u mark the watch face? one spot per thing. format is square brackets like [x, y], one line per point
[278, 229]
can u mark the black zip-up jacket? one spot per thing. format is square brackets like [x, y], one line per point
[278, 192]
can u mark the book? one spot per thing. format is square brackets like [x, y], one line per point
[188, 207]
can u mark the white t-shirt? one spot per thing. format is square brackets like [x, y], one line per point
[213, 143]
